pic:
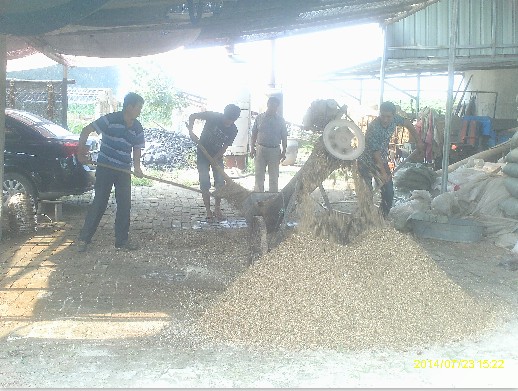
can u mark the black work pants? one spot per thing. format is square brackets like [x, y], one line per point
[386, 190]
[105, 179]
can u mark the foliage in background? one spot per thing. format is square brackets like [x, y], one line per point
[250, 165]
[84, 77]
[78, 116]
[135, 181]
[438, 105]
[141, 181]
[191, 158]
[160, 95]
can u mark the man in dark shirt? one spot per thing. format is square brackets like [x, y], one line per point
[122, 135]
[373, 162]
[217, 135]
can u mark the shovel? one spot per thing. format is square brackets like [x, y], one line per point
[151, 177]
[231, 191]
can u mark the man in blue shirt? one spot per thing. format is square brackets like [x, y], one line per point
[217, 135]
[373, 162]
[122, 139]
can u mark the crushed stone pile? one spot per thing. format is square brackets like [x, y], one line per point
[167, 150]
[381, 291]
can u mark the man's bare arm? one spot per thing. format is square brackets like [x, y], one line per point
[137, 170]
[82, 151]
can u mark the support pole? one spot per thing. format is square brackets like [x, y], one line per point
[454, 6]
[273, 82]
[3, 75]
[383, 65]
[418, 95]
[64, 98]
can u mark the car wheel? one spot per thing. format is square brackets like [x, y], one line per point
[16, 183]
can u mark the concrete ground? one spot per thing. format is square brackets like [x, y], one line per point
[108, 318]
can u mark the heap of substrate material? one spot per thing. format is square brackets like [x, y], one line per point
[382, 290]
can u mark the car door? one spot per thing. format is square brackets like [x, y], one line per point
[21, 148]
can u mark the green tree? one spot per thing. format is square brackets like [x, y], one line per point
[158, 90]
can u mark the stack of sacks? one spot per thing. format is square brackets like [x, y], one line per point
[399, 214]
[416, 177]
[510, 205]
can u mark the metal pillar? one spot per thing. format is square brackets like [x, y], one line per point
[418, 95]
[64, 98]
[3, 75]
[274, 61]
[454, 6]
[383, 64]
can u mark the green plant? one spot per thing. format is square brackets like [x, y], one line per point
[190, 158]
[75, 125]
[157, 89]
[250, 165]
[81, 110]
[79, 115]
[141, 181]
[306, 146]
[340, 174]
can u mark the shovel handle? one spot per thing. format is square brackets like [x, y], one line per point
[150, 177]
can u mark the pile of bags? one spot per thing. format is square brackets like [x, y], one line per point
[415, 176]
[483, 192]
[510, 205]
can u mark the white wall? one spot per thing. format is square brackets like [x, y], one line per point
[504, 82]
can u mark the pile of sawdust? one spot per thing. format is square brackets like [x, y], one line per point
[336, 226]
[380, 291]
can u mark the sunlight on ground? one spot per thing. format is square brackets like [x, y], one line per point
[90, 327]
[26, 280]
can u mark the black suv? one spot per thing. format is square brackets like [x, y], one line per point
[40, 158]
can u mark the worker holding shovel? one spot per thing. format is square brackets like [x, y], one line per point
[217, 135]
[373, 162]
[122, 136]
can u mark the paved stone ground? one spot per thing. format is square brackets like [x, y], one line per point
[114, 319]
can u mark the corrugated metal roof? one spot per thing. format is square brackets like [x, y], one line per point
[483, 28]
[127, 28]
[487, 38]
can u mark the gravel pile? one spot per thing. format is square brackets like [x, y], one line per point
[380, 291]
[167, 150]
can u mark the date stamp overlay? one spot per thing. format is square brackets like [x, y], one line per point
[459, 363]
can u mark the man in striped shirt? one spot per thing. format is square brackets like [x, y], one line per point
[122, 140]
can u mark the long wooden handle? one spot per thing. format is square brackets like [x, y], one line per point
[151, 177]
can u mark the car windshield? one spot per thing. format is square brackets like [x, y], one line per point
[45, 127]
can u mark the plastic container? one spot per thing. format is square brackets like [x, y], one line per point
[292, 149]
